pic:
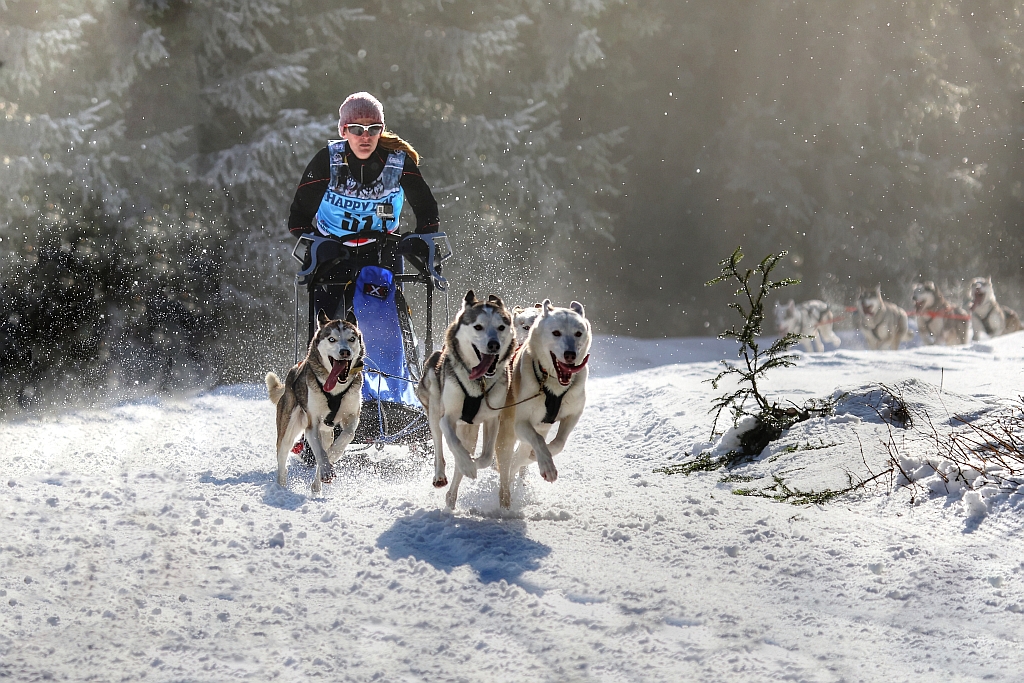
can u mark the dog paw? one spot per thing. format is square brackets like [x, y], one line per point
[440, 483]
[450, 499]
[315, 487]
[549, 473]
[327, 475]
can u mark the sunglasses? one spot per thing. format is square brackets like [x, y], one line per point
[359, 130]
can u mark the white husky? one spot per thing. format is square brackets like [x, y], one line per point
[987, 314]
[522, 321]
[548, 385]
[810, 319]
[464, 386]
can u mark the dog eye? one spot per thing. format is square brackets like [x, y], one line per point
[478, 327]
[556, 333]
[579, 334]
[501, 328]
[351, 340]
[331, 339]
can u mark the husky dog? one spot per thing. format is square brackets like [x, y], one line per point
[464, 386]
[323, 390]
[522, 321]
[548, 385]
[938, 321]
[883, 323]
[812, 320]
[987, 314]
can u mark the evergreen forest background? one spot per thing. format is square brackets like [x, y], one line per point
[610, 151]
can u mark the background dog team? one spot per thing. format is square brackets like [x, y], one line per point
[885, 325]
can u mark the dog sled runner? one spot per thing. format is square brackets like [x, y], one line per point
[368, 282]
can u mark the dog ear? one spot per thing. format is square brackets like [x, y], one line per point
[321, 319]
[470, 298]
[578, 307]
[517, 309]
[545, 307]
[495, 300]
[538, 305]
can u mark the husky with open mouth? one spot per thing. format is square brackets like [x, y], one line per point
[463, 386]
[323, 390]
[547, 385]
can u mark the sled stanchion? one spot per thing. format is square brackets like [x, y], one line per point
[428, 344]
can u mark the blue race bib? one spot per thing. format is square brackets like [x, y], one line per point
[349, 207]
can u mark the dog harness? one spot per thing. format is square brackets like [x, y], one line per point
[552, 401]
[349, 206]
[984, 320]
[470, 404]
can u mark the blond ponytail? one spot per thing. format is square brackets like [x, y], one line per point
[392, 143]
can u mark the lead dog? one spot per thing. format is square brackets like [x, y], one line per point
[883, 323]
[322, 390]
[938, 321]
[547, 385]
[987, 314]
[464, 386]
[812, 320]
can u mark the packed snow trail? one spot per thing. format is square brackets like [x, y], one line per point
[150, 541]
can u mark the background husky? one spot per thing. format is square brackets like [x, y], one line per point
[464, 386]
[938, 321]
[323, 390]
[987, 315]
[548, 385]
[522, 321]
[883, 323]
[808, 318]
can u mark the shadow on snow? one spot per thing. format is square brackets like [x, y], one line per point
[495, 549]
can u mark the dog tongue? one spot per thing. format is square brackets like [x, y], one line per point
[337, 367]
[485, 364]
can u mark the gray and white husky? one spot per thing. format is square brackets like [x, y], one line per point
[987, 314]
[464, 386]
[810, 319]
[547, 385]
[938, 321]
[522, 321]
[883, 323]
[323, 390]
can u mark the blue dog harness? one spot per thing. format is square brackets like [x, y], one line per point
[349, 206]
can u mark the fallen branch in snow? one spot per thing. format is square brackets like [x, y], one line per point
[982, 458]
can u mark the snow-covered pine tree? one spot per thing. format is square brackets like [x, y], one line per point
[98, 257]
[873, 147]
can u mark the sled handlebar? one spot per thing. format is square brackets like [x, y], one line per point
[437, 245]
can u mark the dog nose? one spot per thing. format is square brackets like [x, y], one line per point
[344, 353]
[493, 346]
[570, 357]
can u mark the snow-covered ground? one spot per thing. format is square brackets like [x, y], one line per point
[150, 541]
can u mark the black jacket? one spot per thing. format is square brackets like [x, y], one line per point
[317, 177]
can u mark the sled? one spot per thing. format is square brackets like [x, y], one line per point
[375, 296]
